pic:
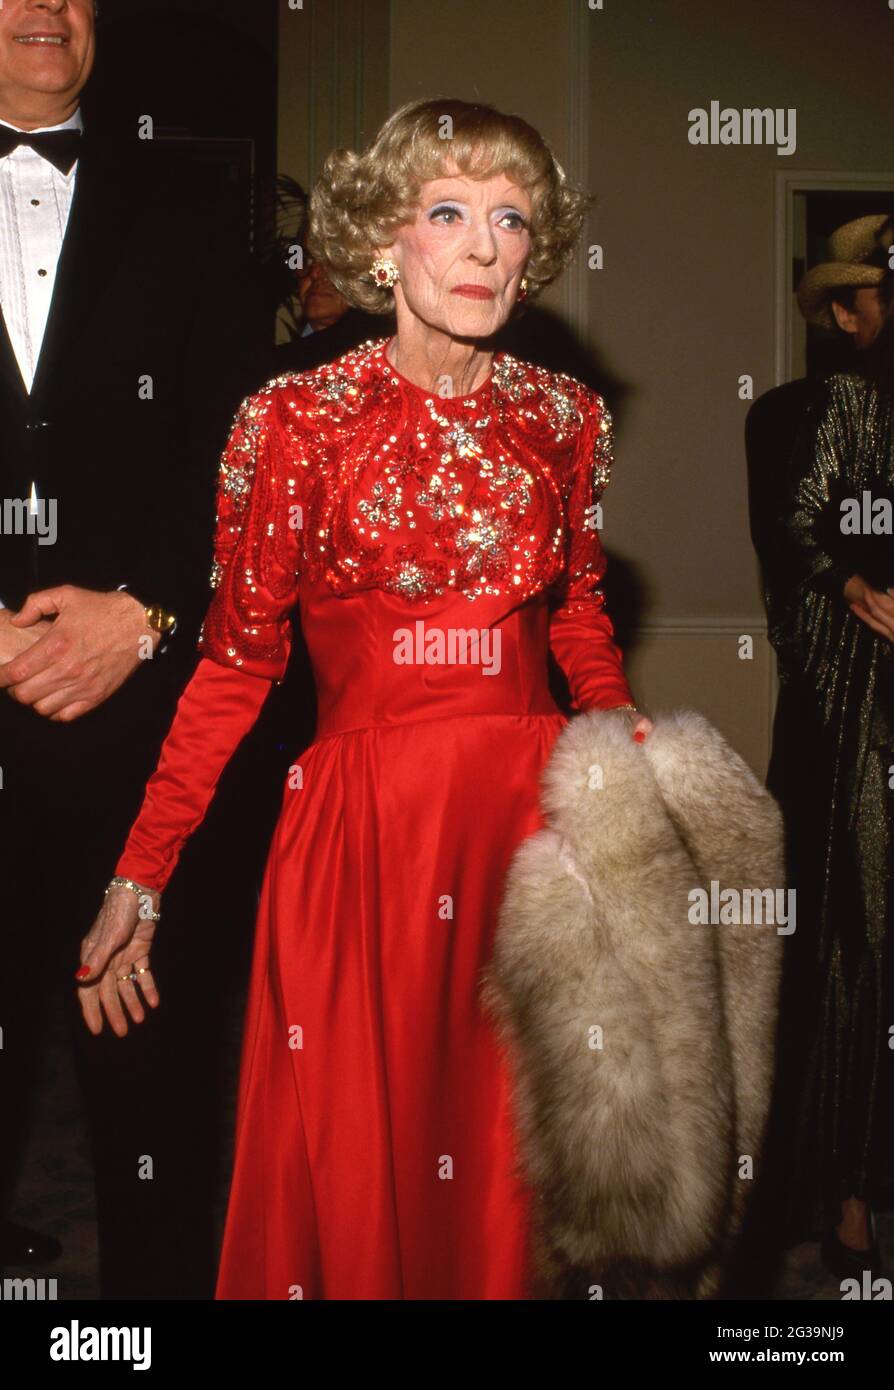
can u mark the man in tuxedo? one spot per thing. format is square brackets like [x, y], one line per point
[129, 335]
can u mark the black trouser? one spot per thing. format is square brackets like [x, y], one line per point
[156, 1106]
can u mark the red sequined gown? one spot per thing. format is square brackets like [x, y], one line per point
[375, 1154]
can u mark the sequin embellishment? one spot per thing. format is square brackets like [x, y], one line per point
[415, 493]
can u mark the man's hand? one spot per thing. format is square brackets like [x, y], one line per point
[14, 640]
[94, 643]
[873, 607]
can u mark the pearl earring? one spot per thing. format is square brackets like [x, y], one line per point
[384, 272]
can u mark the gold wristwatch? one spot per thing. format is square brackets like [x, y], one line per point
[159, 619]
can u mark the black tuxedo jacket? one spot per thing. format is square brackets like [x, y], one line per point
[155, 333]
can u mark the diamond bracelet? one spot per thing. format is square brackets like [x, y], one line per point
[147, 913]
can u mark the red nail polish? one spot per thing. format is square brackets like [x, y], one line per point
[639, 736]
[82, 973]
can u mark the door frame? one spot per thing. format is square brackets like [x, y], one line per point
[787, 185]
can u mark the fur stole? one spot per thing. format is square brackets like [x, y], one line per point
[641, 1038]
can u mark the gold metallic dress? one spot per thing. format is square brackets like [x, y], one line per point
[833, 771]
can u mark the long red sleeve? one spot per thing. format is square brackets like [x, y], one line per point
[215, 712]
[581, 634]
[245, 640]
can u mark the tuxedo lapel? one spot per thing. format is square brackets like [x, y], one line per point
[9, 365]
[101, 214]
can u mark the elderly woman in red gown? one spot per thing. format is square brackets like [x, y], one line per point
[431, 508]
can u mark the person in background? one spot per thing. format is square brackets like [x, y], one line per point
[831, 621]
[840, 296]
[330, 326]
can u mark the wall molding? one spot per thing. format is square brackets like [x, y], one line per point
[702, 627]
[334, 64]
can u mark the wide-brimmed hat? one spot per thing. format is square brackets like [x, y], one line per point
[859, 251]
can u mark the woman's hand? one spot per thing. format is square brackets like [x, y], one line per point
[640, 725]
[115, 960]
[873, 607]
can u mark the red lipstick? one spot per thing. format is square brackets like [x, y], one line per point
[473, 291]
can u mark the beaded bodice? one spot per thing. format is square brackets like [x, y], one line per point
[352, 474]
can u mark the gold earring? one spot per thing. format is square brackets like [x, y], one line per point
[384, 272]
[523, 288]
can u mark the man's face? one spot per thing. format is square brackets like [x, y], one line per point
[463, 256]
[46, 52]
[321, 303]
[866, 317]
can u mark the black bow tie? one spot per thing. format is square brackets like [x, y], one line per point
[60, 147]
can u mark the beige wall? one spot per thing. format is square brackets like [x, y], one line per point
[333, 80]
[685, 303]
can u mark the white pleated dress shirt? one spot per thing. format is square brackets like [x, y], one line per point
[35, 203]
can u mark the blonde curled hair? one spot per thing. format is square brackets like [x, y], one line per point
[360, 200]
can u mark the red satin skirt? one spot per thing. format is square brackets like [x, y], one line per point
[376, 1150]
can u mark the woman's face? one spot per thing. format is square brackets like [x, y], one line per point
[463, 256]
